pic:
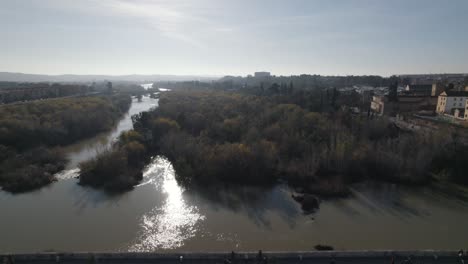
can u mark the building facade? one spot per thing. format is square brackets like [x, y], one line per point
[452, 103]
[378, 104]
[466, 110]
[404, 104]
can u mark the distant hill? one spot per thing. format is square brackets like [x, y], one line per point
[22, 77]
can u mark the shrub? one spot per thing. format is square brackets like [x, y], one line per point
[109, 170]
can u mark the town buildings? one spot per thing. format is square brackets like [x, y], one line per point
[419, 89]
[415, 97]
[381, 105]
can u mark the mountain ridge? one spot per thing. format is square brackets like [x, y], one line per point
[26, 77]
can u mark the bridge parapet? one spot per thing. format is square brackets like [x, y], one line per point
[371, 256]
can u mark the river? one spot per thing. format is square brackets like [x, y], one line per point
[159, 215]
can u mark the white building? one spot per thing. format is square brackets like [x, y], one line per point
[378, 104]
[453, 103]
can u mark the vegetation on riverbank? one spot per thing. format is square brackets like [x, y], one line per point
[29, 131]
[58, 121]
[29, 170]
[212, 137]
[119, 168]
[11, 92]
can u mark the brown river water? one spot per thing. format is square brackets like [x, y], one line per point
[160, 215]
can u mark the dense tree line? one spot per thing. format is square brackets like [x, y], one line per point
[58, 122]
[300, 82]
[120, 87]
[184, 85]
[213, 137]
[29, 130]
[28, 170]
[14, 92]
[303, 81]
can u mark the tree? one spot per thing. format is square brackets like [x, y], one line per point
[274, 89]
[334, 97]
[465, 81]
[450, 87]
[290, 88]
[393, 89]
[135, 153]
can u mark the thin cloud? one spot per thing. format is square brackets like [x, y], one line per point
[165, 17]
[173, 19]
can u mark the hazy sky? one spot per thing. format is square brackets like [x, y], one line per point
[218, 37]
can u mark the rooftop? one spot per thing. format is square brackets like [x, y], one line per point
[456, 93]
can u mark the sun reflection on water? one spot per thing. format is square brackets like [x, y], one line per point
[67, 174]
[169, 225]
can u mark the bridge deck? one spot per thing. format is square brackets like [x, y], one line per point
[319, 257]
